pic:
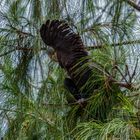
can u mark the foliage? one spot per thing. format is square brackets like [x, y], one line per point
[33, 100]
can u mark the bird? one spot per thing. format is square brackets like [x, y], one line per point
[82, 79]
[71, 55]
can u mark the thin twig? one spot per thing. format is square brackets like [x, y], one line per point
[109, 24]
[134, 95]
[116, 44]
[21, 32]
[128, 72]
[21, 49]
[117, 68]
[134, 72]
[6, 53]
[125, 85]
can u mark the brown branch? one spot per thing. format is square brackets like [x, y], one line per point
[21, 32]
[6, 53]
[133, 4]
[107, 24]
[21, 49]
[121, 84]
[29, 49]
[113, 44]
[125, 85]
[111, 78]
[123, 76]
[134, 72]
[135, 95]
[128, 72]
[88, 47]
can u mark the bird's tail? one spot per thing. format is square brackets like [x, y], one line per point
[57, 32]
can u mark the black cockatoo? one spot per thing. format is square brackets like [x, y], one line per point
[71, 56]
[84, 77]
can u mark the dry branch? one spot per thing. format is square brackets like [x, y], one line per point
[133, 4]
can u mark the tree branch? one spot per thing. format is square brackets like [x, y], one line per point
[116, 44]
[88, 47]
[133, 4]
[21, 49]
[21, 32]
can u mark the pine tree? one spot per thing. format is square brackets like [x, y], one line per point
[33, 99]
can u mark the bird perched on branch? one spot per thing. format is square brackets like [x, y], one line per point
[83, 79]
[71, 56]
